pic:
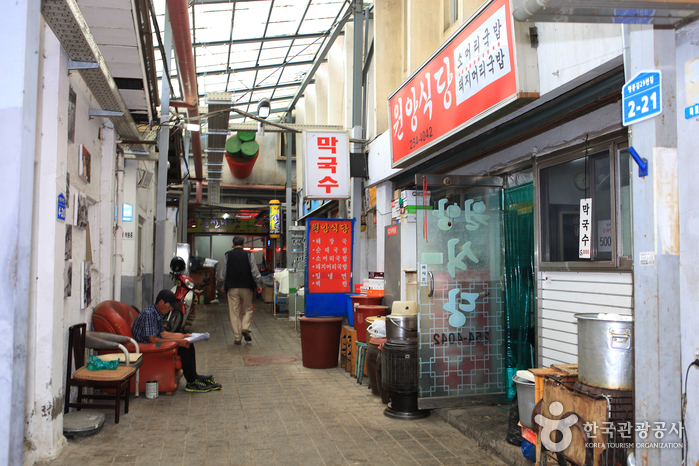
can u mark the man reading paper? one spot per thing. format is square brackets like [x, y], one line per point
[148, 328]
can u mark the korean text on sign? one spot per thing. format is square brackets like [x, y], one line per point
[329, 256]
[585, 228]
[326, 163]
[470, 75]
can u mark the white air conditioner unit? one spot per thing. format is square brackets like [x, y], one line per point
[145, 180]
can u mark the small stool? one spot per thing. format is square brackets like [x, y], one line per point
[361, 356]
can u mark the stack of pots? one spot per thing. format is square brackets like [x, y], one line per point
[241, 153]
[400, 369]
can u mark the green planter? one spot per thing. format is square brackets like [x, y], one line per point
[249, 149]
[246, 136]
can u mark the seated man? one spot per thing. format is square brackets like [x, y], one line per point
[148, 328]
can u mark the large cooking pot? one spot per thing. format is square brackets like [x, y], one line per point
[605, 350]
[401, 327]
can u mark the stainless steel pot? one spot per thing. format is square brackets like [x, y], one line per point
[401, 327]
[605, 351]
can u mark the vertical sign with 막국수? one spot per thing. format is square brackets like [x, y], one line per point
[642, 97]
[326, 165]
[329, 256]
[585, 228]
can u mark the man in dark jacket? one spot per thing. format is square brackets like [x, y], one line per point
[240, 278]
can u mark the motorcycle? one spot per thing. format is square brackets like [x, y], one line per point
[185, 289]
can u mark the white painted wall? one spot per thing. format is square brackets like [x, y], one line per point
[50, 314]
[380, 159]
[568, 50]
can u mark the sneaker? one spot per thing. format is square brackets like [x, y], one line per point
[209, 380]
[246, 335]
[237, 342]
[198, 386]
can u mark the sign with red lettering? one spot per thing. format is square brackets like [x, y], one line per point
[329, 256]
[326, 165]
[473, 75]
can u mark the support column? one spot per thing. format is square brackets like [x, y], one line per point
[160, 213]
[183, 224]
[18, 100]
[357, 133]
[288, 195]
[658, 374]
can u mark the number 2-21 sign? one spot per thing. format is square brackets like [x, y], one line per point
[642, 97]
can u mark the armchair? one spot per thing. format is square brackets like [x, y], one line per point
[160, 360]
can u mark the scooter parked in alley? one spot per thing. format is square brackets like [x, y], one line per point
[185, 289]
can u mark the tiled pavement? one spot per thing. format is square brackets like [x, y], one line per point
[268, 414]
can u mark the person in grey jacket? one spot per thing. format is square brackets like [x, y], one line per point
[240, 278]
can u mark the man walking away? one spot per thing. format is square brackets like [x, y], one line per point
[148, 328]
[240, 278]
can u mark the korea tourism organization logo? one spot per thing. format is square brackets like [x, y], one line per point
[614, 435]
[548, 426]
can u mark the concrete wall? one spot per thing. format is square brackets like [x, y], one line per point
[137, 271]
[569, 50]
[50, 313]
[687, 59]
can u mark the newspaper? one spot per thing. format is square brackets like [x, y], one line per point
[198, 337]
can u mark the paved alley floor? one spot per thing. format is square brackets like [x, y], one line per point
[268, 414]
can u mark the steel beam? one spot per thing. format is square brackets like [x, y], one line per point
[252, 68]
[218, 43]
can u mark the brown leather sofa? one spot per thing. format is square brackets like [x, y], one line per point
[160, 360]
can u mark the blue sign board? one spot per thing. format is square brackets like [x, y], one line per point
[641, 97]
[691, 112]
[127, 212]
[61, 207]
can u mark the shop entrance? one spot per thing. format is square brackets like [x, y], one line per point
[461, 297]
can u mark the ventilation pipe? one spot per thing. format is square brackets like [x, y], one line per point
[184, 55]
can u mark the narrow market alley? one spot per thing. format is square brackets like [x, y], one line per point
[271, 410]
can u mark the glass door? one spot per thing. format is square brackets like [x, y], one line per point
[461, 300]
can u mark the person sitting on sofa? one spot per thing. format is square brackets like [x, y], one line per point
[148, 328]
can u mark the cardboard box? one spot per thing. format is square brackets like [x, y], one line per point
[413, 194]
[268, 294]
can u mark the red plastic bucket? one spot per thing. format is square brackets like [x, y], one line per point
[361, 299]
[363, 311]
[320, 341]
[239, 168]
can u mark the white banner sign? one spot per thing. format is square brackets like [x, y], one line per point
[585, 228]
[326, 165]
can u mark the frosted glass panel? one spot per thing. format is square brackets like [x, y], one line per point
[462, 324]
[202, 246]
[220, 245]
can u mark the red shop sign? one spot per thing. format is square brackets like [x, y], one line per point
[329, 256]
[474, 74]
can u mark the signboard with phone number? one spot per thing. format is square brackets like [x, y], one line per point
[642, 97]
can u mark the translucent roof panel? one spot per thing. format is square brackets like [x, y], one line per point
[251, 47]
